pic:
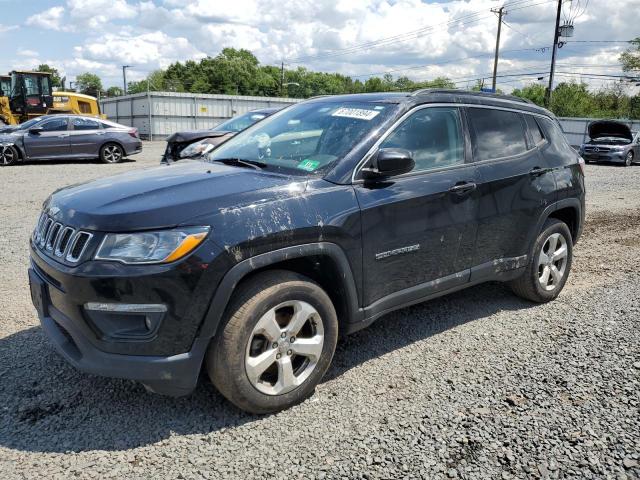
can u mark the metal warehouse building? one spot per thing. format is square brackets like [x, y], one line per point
[159, 114]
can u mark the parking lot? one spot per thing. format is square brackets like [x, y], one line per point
[478, 384]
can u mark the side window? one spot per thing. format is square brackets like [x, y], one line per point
[432, 135]
[496, 133]
[56, 125]
[85, 124]
[534, 129]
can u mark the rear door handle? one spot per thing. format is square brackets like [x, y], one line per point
[63, 135]
[537, 171]
[461, 188]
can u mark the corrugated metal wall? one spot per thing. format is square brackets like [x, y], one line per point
[576, 128]
[169, 112]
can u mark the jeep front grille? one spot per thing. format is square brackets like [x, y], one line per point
[59, 240]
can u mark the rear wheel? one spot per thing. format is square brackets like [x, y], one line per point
[549, 264]
[111, 153]
[276, 344]
[8, 155]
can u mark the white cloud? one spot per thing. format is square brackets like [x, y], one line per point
[51, 19]
[145, 52]
[25, 52]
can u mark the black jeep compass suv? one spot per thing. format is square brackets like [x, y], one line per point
[314, 222]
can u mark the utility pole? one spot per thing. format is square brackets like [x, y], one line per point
[556, 36]
[281, 79]
[124, 76]
[500, 11]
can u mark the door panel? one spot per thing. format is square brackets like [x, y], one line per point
[51, 142]
[86, 136]
[415, 228]
[514, 190]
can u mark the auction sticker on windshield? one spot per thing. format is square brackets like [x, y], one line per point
[359, 113]
[308, 165]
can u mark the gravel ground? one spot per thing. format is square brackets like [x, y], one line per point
[478, 384]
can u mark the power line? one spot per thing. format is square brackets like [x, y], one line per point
[410, 35]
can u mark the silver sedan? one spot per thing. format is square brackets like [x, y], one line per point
[69, 137]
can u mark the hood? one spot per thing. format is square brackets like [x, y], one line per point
[193, 135]
[8, 128]
[159, 197]
[609, 128]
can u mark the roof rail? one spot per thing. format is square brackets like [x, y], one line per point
[425, 91]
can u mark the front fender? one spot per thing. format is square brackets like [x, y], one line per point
[239, 271]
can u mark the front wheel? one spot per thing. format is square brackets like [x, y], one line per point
[549, 264]
[276, 344]
[628, 160]
[111, 153]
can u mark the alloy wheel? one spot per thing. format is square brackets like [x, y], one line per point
[7, 155]
[552, 261]
[628, 159]
[284, 347]
[112, 153]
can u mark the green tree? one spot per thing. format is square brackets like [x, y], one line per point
[534, 92]
[56, 81]
[572, 100]
[630, 58]
[114, 91]
[89, 84]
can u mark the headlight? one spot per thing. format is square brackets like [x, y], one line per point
[163, 246]
[196, 149]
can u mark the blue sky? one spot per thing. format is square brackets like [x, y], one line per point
[453, 38]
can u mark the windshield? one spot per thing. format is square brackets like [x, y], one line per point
[29, 123]
[237, 124]
[307, 137]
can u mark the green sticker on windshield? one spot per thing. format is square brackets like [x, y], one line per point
[308, 165]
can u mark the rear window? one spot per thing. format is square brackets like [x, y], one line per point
[496, 133]
[85, 124]
[534, 129]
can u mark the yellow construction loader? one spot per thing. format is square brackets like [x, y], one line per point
[26, 95]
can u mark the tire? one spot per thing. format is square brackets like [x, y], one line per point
[538, 283]
[111, 153]
[628, 160]
[8, 155]
[250, 332]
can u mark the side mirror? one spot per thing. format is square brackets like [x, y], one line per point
[389, 162]
[35, 130]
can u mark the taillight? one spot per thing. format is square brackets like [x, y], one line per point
[134, 133]
[582, 164]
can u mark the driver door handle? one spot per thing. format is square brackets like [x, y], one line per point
[537, 171]
[461, 188]
[63, 135]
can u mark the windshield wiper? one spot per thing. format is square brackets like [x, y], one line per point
[239, 162]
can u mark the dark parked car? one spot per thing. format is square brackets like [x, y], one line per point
[194, 143]
[611, 141]
[314, 223]
[68, 137]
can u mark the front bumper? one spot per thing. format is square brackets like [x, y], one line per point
[171, 375]
[168, 361]
[614, 157]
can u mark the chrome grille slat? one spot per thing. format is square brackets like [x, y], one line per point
[64, 240]
[77, 246]
[52, 236]
[60, 241]
[45, 231]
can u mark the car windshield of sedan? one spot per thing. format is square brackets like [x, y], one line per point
[29, 123]
[307, 137]
[237, 124]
